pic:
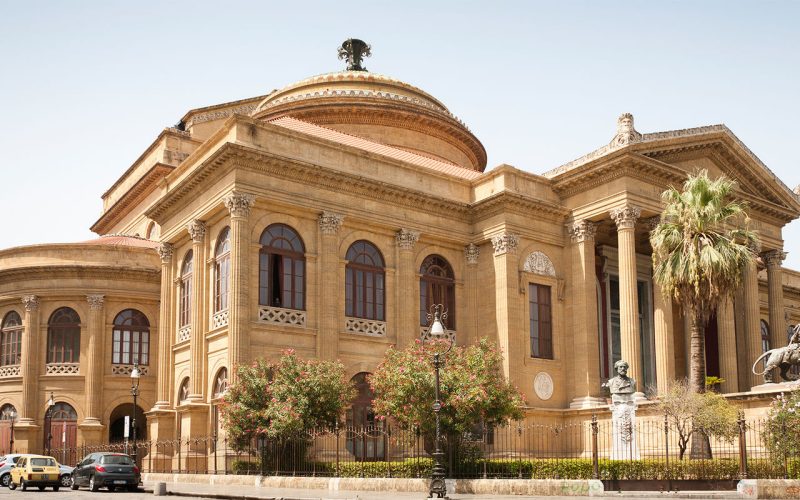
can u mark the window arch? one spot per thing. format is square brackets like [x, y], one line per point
[131, 338]
[220, 383]
[281, 268]
[437, 285]
[764, 336]
[364, 282]
[185, 302]
[64, 336]
[183, 390]
[8, 412]
[63, 411]
[222, 270]
[150, 233]
[11, 339]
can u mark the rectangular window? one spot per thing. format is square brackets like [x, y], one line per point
[541, 326]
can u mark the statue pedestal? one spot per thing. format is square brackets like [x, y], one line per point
[623, 421]
[776, 387]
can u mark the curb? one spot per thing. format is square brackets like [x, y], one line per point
[217, 496]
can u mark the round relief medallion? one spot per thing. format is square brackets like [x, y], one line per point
[543, 385]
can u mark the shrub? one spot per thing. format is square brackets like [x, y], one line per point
[782, 435]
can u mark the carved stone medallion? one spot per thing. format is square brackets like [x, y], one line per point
[543, 386]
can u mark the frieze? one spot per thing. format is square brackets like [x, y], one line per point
[244, 109]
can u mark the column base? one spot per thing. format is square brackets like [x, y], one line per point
[27, 437]
[587, 402]
[91, 431]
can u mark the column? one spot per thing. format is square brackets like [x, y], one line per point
[752, 327]
[407, 283]
[197, 231]
[777, 320]
[330, 287]
[94, 360]
[726, 339]
[471, 254]
[630, 342]
[507, 297]
[664, 338]
[239, 205]
[586, 349]
[166, 333]
[29, 412]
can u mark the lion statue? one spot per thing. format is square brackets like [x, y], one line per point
[783, 358]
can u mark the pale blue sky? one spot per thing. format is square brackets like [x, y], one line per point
[86, 86]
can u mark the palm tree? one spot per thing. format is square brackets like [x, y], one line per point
[700, 250]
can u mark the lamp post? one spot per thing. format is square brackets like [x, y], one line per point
[49, 418]
[135, 375]
[437, 336]
[13, 416]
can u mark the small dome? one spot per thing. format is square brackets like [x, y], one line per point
[379, 108]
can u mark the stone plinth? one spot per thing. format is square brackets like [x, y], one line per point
[623, 419]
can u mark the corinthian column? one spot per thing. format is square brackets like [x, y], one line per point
[471, 254]
[197, 231]
[630, 343]
[166, 326]
[586, 351]
[408, 310]
[30, 360]
[507, 298]
[330, 287]
[752, 326]
[726, 338]
[239, 205]
[94, 361]
[664, 339]
[777, 322]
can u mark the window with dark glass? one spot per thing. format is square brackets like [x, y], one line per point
[222, 270]
[64, 336]
[541, 327]
[281, 268]
[185, 302]
[183, 391]
[437, 285]
[364, 282]
[764, 336]
[131, 338]
[11, 339]
[366, 438]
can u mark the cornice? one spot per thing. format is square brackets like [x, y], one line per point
[510, 202]
[50, 273]
[134, 195]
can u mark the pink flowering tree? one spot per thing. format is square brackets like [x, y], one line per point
[280, 399]
[473, 390]
[782, 435]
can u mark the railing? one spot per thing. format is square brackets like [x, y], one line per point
[580, 450]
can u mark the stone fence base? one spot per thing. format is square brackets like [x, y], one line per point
[769, 488]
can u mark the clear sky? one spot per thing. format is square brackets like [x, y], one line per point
[85, 86]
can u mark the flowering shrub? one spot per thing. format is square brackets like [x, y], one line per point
[473, 389]
[279, 399]
[782, 435]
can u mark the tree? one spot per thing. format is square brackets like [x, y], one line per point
[693, 412]
[473, 389]
[279, 399]
[700, 250]
[782, 435]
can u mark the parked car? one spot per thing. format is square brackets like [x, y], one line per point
[110, 470]
[35, 470]
[8, 462]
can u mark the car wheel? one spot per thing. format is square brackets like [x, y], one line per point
[72, 484]
[133, 487]
[11, 485]
[66, 480]
[22, 485]
[92, 485]
[5, 479]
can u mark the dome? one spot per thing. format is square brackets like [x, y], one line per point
[379, 108]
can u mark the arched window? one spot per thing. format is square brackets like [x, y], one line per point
[185, 304]
[281, 268]
[131, 338]
[64, 336]
[11, 339]
[183, 391]
[437, 285]
[222, 270]
[364, 282]
[8, 412]
[220, 383]
[151, 231]
[764, 336]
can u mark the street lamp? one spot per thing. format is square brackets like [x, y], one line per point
[12, 414]
[437, 336]
[135, 375]
[49, 418]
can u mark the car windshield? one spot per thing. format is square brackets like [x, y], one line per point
[43, 462]
[116, 459]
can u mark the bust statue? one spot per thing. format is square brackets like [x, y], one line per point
[621, 386]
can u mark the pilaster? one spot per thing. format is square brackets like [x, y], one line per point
[726, 338]
[330, 287]
[506, 264]
[166, 332]
[94, 362]
[664, 338]
[30, 361]
[407, 283]
[471, 255]
[777, 321]
[197, 231]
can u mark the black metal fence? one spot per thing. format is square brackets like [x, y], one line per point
[649, 449]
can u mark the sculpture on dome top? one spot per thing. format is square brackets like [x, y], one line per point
[354, 50]
[626, 134]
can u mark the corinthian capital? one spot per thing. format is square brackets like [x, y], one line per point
[329, 222]
[582, 230]
[30, 302]
[774, 258]
[406, 238]
[165, 252]
[95, 301]
[626, 216]
[471, 252]
[197, 230]
[239, 204]
[505, 243]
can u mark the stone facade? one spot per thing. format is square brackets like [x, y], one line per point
[359, 173]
